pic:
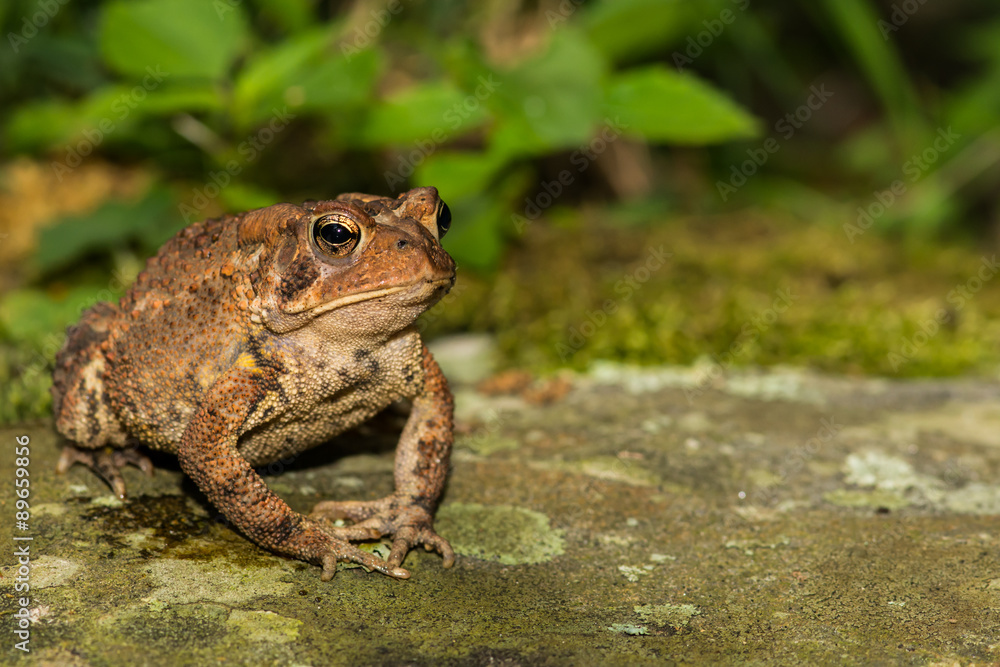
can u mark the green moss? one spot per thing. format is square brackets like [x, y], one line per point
[193, 625]
[25, 379]
[508, 535]
[222, 581]
[672, 615]
[569, 297]
[611, 468]
[265, 626]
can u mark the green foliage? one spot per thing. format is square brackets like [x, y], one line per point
[415, 114]
[186, 38]
[149, 222]
[857, 23]
[625, 30]
[659, 104]
[305, 73]
[29, 315]
[552, 100]
[201, 84]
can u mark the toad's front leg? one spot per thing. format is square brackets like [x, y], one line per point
[421, 468]
[208, 455]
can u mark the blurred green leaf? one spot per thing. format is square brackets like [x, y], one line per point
[306, 73]
[269, 69]
[476, 241]
[41, 124]
[183, 38]
[658, 104]
[30, 315]
[111, 113]
[150, 221]
[552, 100]
[73, 62]
[976, 108]
[859, 27]
[626, 29]
[120, 106]
[339, 82]
[241, 196]
[459, 174]
[183, 97]
[428, 112]
[481, 222]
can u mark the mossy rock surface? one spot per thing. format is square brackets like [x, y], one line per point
[848, 522]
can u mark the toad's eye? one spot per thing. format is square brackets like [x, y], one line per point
[336, 234]
[443, 219]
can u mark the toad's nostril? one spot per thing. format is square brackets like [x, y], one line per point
[402, 243]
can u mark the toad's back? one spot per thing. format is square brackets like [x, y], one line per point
[137, 367]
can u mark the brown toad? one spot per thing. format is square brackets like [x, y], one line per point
[251, 338]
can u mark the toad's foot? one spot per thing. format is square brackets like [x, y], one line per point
[408, 523]
[106, 463]
[331, 548]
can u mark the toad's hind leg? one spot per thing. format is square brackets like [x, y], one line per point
[79, 400]
[80, 403]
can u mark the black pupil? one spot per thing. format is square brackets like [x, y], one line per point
[444, 218]
[335, 233]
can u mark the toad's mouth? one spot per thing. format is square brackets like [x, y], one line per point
[438, 288]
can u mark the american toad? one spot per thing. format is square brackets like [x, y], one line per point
[251, 338]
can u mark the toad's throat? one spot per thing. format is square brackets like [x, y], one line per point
[374, 294]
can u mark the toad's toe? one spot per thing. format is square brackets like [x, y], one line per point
[107, 463]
